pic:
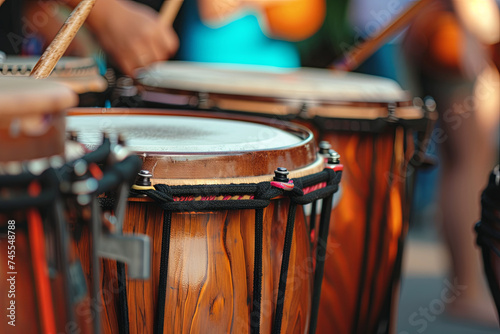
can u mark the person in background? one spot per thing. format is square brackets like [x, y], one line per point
[449, 48]
[247, 31]
[10, 25]
[445, 54]
[130, 33]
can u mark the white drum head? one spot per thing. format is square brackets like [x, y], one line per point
[177, 134]
[260, 81]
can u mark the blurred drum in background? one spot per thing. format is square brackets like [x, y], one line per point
[231, 248]
[81, 75]
[46, 181]
[43, 284]
[369, 121]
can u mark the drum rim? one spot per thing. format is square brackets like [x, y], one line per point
[211, 100]
[305, 148]
[211, 96]
[66, 64]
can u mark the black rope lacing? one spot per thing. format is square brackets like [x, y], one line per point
[257, 273]
[123, 321]
[51, 180]
[162, 292]
[262, 193]
[164, 195]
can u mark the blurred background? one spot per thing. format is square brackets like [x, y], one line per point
[449, 51]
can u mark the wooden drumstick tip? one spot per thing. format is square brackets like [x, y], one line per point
[169, 11]
[1, 2]
[56, 49]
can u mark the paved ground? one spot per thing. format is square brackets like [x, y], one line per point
[424, 279]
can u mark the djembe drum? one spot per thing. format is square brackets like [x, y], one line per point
[231, 249]
[81, 75]
[369, 121]
[44, 181]
[40, 282]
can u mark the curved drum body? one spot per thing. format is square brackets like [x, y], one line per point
[81, 75]
[32, 134]
[204, 236]
[369, 121]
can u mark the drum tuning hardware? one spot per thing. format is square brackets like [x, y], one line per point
[324, 148]
[392, 113]
[418, 102]
[121, 140]
[333, 158]
[134, 250]
[144, 178]
[120, 151]
[203, 100]
[105, 136]
[281, 174]
[73, 136]
[80, 168]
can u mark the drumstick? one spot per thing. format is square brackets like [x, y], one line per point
[356, 57]
[1, 2]
[169, 11]
[56, 49]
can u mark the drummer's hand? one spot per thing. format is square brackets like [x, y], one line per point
[132, 34]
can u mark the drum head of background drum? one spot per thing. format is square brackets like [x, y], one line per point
[305, 84]
[32, 124]
[270, 90]
[181, 147]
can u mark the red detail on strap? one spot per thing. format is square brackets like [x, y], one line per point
[34, 189]
[336, 168]
[40, 271]
[95, 171]
[314, 188]
[287, 186]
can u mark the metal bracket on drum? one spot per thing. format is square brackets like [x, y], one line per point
[133, 250]
[108, 239]
[391, 109]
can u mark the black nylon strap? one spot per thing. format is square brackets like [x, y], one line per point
[280, 302]
[324, 227]
[257, 272]
[162, 289]
[123, 321]
[182, 198]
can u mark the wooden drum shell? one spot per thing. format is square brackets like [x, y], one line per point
[361, 117]
[211, 259]
[368, 223]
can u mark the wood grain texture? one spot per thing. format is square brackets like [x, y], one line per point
[345, 272]
[39, 136]
[168, 11]
[28, 318]
[26, 313]
[58, 46]
[210, 273]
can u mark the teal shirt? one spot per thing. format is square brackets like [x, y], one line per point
[240, 41]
